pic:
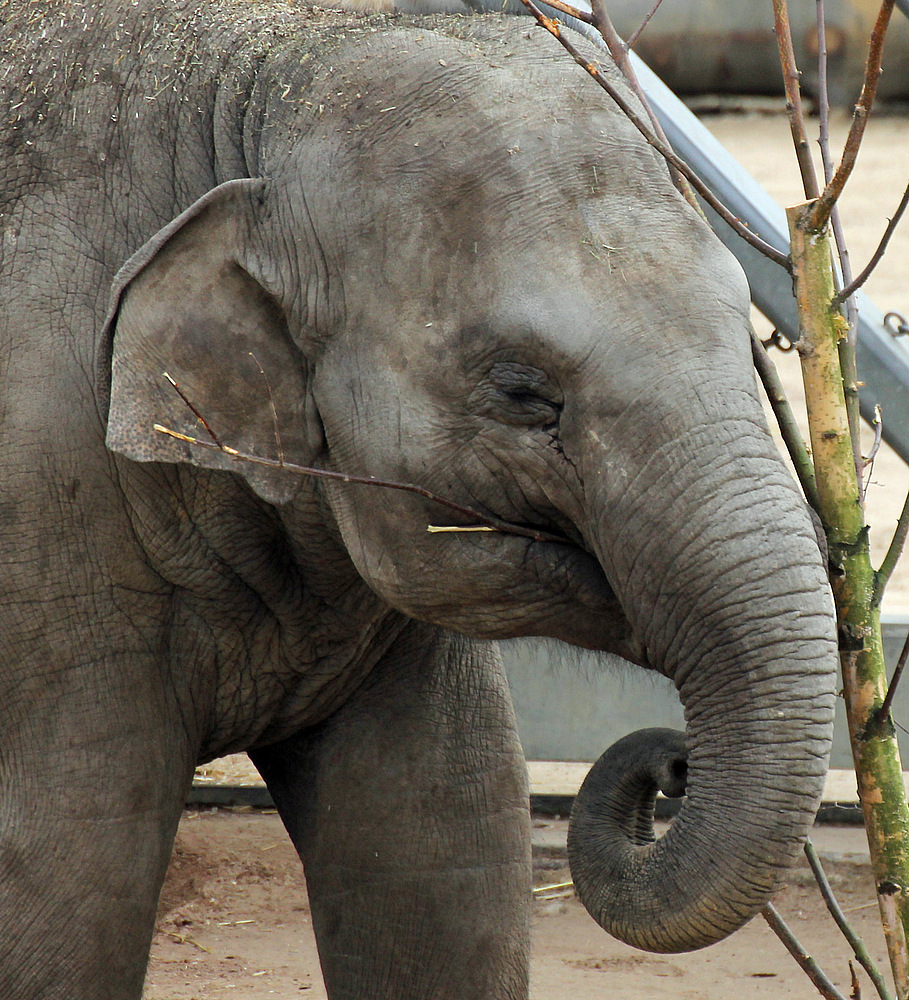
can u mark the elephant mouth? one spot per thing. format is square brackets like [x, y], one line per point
[568, 596]
[493, 524]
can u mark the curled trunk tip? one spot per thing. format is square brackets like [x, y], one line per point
[706, 877]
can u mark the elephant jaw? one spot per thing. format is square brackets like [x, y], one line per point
[489, 584]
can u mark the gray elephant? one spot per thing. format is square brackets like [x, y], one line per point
[426, 251]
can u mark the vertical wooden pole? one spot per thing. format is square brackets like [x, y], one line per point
[878, 770]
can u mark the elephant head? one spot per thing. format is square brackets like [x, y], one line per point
[462, 268]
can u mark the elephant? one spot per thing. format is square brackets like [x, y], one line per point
[424, 251]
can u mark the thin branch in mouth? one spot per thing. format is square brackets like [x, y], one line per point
[492, 523]
[437, 529]
[487, 522]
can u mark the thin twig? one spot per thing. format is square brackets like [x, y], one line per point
[440, 529]
[853, 286]
[823, 102]
[894, 551]
[823, 96]
[183, 939]
[846, 350]
[792, 436]
[635, 35]
[487, 523]
[867, 467]
[555, 887]
[866, 470]
[554, 28]
[566, 8]
[855, 942]
[878, 435]
[863, 906]
[887, 703]
[274, 411]
[215, 439]
[304, 470]
[824, 204]
[619, 52]
[807, 964]
[794, 99]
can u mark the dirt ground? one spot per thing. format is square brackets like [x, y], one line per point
[234, 919]
[234, 922]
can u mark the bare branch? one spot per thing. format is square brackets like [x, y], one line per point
[824, 205]
[843, 281]
[635, 35]
[887, 703]
[855, 942]
[851, 384]
[842, 250]
[619, 52]
[867, 463]
[487, 523]
[565, 8]
[853, 286]
[824, 143]
[492, 523]
[894, 551]
[554, 28]
[823, 96]
[192, 408]
[807, 964]
[878, 434]
[792, 436]
[810, 185]
[794, 99]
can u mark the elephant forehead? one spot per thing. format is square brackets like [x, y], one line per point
[481, 181]
[508, 148]
[458, 162]
[456, 115]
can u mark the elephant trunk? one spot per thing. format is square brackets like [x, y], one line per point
[614, 808]
[735, 608]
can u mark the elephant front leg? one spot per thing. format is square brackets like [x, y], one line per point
[93, 777]
[409, 810]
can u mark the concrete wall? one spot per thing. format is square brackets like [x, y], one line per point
[572, 705]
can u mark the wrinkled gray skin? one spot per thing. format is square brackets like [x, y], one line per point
[458, 266]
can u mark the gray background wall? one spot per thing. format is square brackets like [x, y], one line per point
[572, 705]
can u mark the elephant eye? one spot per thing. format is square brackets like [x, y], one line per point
[518, 394]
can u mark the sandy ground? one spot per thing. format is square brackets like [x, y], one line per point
[234, 922]
[234, 918]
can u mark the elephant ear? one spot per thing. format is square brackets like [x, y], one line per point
[193, 303]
